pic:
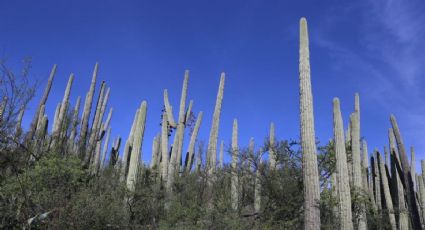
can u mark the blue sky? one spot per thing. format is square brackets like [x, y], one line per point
[373, 47]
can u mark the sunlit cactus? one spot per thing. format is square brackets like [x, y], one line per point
[191, 148]
[386, 192]
[272, 154]
[164, 146]
[87, 106]
[235, 154]
[308, 141]
[127, 148]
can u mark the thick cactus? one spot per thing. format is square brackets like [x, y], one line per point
[164, 146]
[105, 148]
[191, 148]
[365, 166]
[137, 145]
[18, 127]
[377, 181]
[127, 148]
[308, 141]
[87, 106]
[56, 117]
[410, 193]
[169, 110]
[212, 142]
[393, 146]
[42, 102]
[342, 186]
[272, 154]
[62, 112]
[386, 192]
[155, 151]
[399, 199]
[235, 154]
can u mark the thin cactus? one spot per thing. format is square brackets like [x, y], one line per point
[413, 166]
[422, 195]
[393, 146]
[234, 180]
[191, 148]
[250, 153]
[42, 102]
[63, 108]
[257, 186]
[377, 182]
[365, 165]
[127, 148]
[74, 122]
[136, 150]
[221, 163]
[56, 117]
[3, 107]
[272, 154]
[342, 185]
[399, 199]
[387, 194]
[87, 106]
[155, 149]
[188, 112]
[212, 141]
[386, 159]
[411, 199]
[169, 110]
[18, 127]
[108, 120]
[308, 141]
[164, 146]
[105, 147]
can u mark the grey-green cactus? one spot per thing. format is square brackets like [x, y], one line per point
[235, 154]
[413, 166]
[18, 127]
[3, 108]
[178, 139]
[105, 148]
[191, 148]
[74, 124]
[410, 193]
[155, 151]
[377, 182]
[56, 117]
[308, 141]
[421, 195]
[386, 192]
[257, 186]
[272, 154]
[365, 165]
[87, 106]
[169, 110]
[212, 142]
[136, 149]
[164, 146]
[63, 108]
[399, 199]
[127, 148]
[221, 154]
[342, 185]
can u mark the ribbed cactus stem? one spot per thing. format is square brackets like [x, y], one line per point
[178, 140]
[399, 199]
[169, 110]
[387, 194]
[155, 150]
[136, 150]
[272, 154]
[386, 159]
[127, 148]
[235, 154]
[3, 108]
[250, 153]
[393, 146]
[191, 148]
[221, 154]
[18, 127]
[105, 147]
[342, 186]
[212, 141]
[365, 165]
[422, 194]
[74, 122]
[413, 166]
[257, 186]
[62, 112]
[42, 102]
[411, 199]
[108, 120]
[87, 106]
[164, 146]
[56, 117]
[188, 112]
[308, 141]
[377, 182]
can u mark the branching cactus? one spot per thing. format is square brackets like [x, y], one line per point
[272, 154]
[342, 186]
[212, 142]
[191, 148]
[235, 154]
[42, 102]
[410, 193]
[308, 141]
[386, 192]
[137, 145]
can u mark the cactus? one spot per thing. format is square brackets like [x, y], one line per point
[308, 142]
[128, 147]
[342, 185]
[164, 146]
[234, 180]
[56, 117]
[115, 153]
[191, 148]
[136, 147]
[42, 102]
[365, 165]
[62, 113]
[272, 154]
[386, 192]
[250, 153]
[179, 136]
[169, 110]
[411, 199]
[18, 127]
[393, 147]
[399, 199]
[212, 142]
[74, 123]
[105, 148]
[188, 112]
[221, 163]
[155, 151]
[377, 181]
[257, 186]
[108, 120]
[3, 108]
[413, 166]
[87, 106]
[422, 194]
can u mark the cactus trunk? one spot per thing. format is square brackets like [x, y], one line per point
[386, 192]
[272, 154]
[234, 180]
[87, 106]
[191, 150]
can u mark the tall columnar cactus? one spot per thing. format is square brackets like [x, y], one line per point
[250, 153]
[127, 148]
[56, 117]
[191, 148]
[386, 192]
[108, 120]
[139, 131]
[164, 146]
[399, 199]
[62, 112]
[105, 147]
[169, 110]
[308, 141]
[365, 165]
[42, 102]
[272, 154]
[176, 152]
[235, 154]
[393, 146]
[386, 159]
[155, 151]
[212, 142]
[3, 107]
[257, 186]
[221, 154]
[342, 186]
[413, 166]
[411, 199]
[421, 195]
[377, 181]
[18, 127]
[74, 123]
[87, 106]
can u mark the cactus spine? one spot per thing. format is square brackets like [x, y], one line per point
[342, 185]
[308, 142]
[411, 199]
[212, 142]
[272, 154]
[234, 180]
[136, 149]
[191, 149]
